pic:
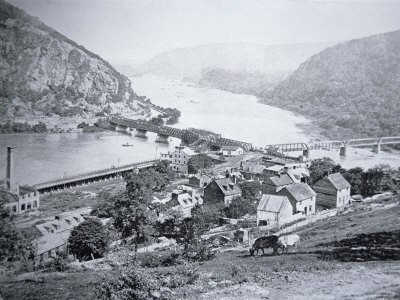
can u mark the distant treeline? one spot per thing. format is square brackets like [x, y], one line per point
[22, 128]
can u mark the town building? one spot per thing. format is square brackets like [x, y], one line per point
[274, 211]
[301, 196]
[200, 180]
[333, 191]
[221, 190]
[179, 158]
[184, 200]
[17, 199]
[55, 235]
[232, 150]
[272, 185]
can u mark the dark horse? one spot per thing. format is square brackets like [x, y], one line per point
[265, 242]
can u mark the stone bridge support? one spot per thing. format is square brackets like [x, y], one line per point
[377, 147]
[306, 153]
[343, 149]
[141, 133]
[162, 138]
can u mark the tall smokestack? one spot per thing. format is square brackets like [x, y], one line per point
[10, 169]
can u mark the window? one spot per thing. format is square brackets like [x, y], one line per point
[29, 206]
[14, 208]
[22, 206]
[34, 204]
[310, 208]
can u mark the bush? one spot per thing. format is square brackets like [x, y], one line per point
[131, 284]
[198, 251]
[59, 263]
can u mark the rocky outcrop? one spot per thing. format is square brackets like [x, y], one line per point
[44, 73]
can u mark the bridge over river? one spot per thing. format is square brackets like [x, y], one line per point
[93, 176]
[375, 143]
[164, 132]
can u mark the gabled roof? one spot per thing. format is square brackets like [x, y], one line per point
[279, 180]
[338, 181]
[275, 168]
[271, 203]
[7, 197]
[227, 186]
[299, 191]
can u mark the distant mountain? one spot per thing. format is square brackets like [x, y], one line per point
[43, 72]
[193, 62]
[350, 89]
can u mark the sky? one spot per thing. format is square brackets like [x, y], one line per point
[137, 30]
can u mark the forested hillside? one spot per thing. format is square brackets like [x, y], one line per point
[351, 89]
[43, 72]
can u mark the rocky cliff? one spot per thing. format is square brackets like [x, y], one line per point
[43, 73]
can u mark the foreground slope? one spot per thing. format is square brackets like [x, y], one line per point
[350, 89]
[44, 73]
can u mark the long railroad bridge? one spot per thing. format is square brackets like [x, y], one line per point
[93, 176]
[164, 132]
[375, 143]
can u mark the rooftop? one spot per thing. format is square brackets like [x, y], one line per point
[279, 180]
[230, 148]
[338, 181]
[272, 203]
[227, 186]
[299, 191]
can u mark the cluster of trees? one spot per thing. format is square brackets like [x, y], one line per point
[200, 161]
[132, 211]
[10, 127]
[365, 182]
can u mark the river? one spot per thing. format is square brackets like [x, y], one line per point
[39, 157]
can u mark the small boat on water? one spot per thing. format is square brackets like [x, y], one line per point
[127, 145]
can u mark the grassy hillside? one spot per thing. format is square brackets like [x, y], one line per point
[351, 89]
[45, 73]
[353, 255]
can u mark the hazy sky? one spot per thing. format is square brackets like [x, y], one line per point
[140, 29]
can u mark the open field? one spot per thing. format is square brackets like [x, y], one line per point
[354, 255]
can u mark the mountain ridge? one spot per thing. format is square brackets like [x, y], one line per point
[352, 88]
[44, 73]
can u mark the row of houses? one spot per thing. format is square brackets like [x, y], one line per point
[286, 201]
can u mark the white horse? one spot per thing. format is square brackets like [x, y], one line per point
[291, 240]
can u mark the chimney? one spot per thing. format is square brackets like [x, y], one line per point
[10, 169]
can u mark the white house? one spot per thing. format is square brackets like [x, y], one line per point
[232, 150]
[274, 211]
[179, 158]
[301, 196]
[332, 191]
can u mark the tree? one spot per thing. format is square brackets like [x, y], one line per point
[198, 162]
[251, 189]
[14, 245]
[321, 167]
[239, 207]
[375, 181]
[88, 240]
[355, 177]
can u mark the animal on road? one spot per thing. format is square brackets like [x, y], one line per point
[291, 240]
[264, 242]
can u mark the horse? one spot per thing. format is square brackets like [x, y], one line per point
[264, 242]
[291, 240]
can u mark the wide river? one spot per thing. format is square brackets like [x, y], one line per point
[41, 157]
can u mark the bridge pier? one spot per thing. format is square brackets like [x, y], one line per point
[342, 150]
[162, 138]
[376, 148]
[141, 133]
[306, 153]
